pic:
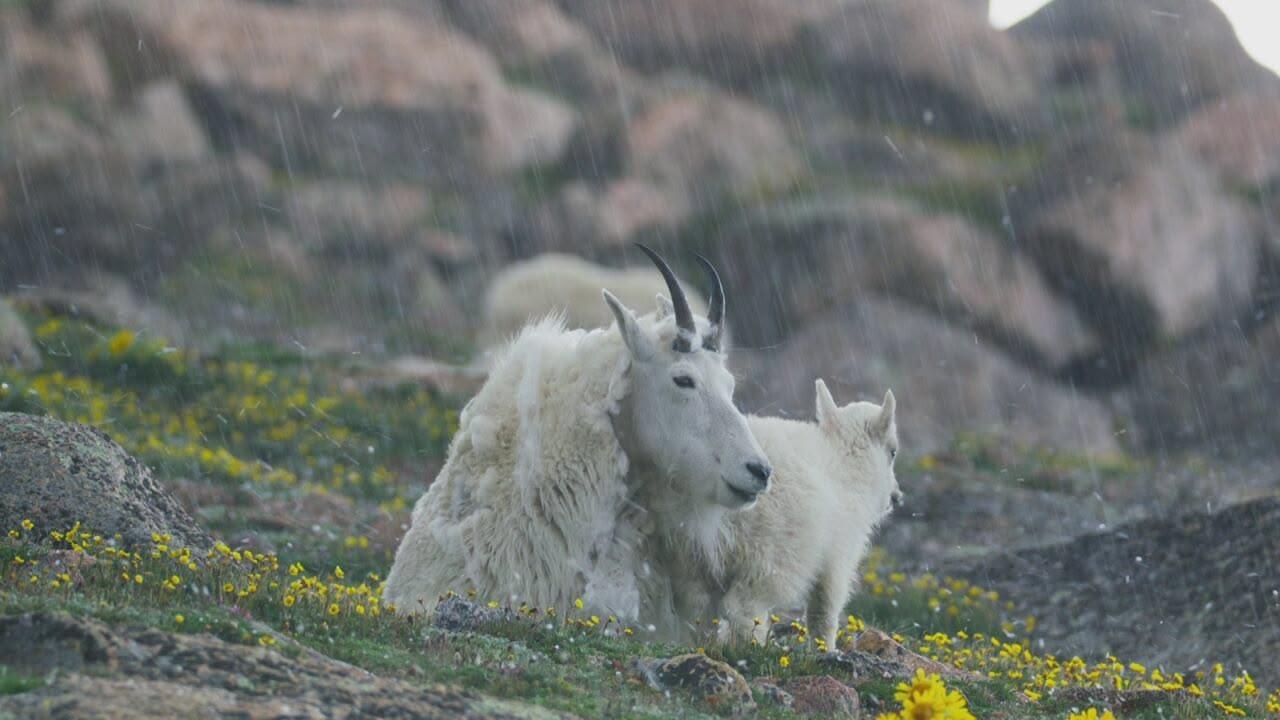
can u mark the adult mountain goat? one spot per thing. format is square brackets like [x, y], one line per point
[580, 447]
[552, 282]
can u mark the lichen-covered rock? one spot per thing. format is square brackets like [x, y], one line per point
[824, 696]
[878, 643]
[16, 347]
[458, 614]
[1140, 236]
[710, 681]
[97, 671]
[874, 656]
[350, 90]
[1156, 60]
[788, 262]
[57, 473]
[885, 56]
[768, 689]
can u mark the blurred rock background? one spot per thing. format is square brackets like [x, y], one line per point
[1065, 232]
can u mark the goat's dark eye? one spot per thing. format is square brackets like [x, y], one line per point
[684, 381]
[893, 453]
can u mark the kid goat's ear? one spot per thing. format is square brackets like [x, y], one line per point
[637, 342]
[824, 405]
[665, 308]
[880, 426]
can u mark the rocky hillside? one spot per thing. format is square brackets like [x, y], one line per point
[1077, 216]
[1201, 585]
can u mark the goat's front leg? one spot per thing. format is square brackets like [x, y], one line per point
[743, 618]
[826, 599]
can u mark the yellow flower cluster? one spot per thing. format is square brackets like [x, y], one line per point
[1092, 714]
[1041, 675]
[926, 696]
[232, 419]
[254, 583]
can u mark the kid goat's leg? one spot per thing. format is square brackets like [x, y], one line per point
[825, 600]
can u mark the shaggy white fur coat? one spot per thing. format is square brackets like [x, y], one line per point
[527, 506]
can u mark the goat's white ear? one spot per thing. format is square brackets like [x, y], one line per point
[637, 342]
[880, 426]
[665, 308]
[824, 405]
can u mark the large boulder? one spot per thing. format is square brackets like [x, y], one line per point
[947, 380]
[1140, 236]
[57, 474]
[116, 200]
[790, 262]
[925, 64]
[159, 127]
[521, 33]
[1239, 138]
[587, 219]
[349, 219]
[727, 40]
[332, 89]
[687, 149]
[708, 147]
[1215, 391]
[58, 67]
[16, 347]
[538, 42]
[1155, 60]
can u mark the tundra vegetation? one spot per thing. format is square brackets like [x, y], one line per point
[308, 481]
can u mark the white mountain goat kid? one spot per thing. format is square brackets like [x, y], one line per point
[580, 447]
[803, 541]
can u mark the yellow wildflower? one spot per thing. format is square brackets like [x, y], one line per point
[1092, 714]
[121, 342]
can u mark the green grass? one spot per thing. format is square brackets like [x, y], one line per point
[12, 683]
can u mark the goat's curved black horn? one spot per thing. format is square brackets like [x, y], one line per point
[715, 312]
[684, 317]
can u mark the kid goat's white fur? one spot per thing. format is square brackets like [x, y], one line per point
[803, 541]
[581, 452]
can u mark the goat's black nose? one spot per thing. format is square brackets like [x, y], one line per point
[760, 472]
